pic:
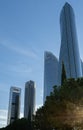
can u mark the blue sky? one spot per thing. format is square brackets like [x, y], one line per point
[27, 29]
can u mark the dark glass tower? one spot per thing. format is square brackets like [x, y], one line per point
[29, 100]
[69, 51]
[14, 104]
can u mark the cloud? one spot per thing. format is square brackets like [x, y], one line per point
[3, 88]
[22, 68]
[3, 118]
[21, 115]
[4, 113]
[38, 106]
[20, 50]
[19, 69]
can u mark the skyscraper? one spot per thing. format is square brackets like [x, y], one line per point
[14, 104]
[69, 51]
[29, 101]
[50, 73]
[82, 67]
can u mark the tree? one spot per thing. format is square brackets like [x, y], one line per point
[63, 108]
[20, 124]
[63, 74]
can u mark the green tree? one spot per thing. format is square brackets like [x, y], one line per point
[63, 108]
[21, 124]
[63, 74]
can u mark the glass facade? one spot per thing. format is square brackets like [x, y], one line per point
[82, 67]
[14, 104]
[69, 51]
[50, 73]
[29, 101]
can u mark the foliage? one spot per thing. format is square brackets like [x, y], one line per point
[63, 110]
[21, 124]
[63, 75]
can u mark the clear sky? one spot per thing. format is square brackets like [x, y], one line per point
[27, 29]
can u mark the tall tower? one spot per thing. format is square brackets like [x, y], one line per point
[82, 67]
[50, 73]
[29, 101]
[14, 104]
[69, 51]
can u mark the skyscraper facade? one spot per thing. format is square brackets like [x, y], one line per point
[82, 67]
[50, 73]
[69, 51]
[14, 104]
[29, 100]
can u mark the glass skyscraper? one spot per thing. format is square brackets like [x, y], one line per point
[69, 51]
[29, 100]
[50, 73]
[82, 67]
[14, 104]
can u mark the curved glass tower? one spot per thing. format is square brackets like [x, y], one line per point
[50, 73]
[82, 67]
[69, 51]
